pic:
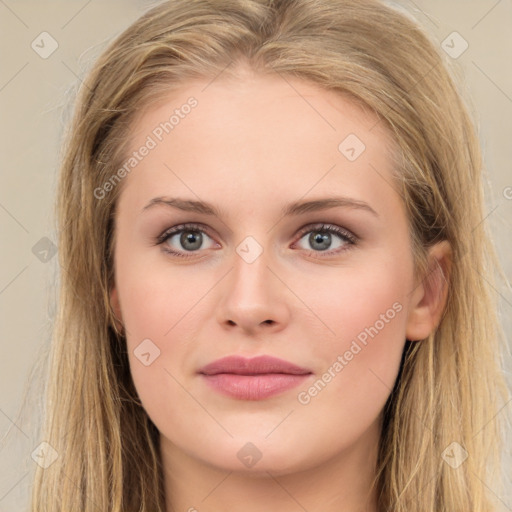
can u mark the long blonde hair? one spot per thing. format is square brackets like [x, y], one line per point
[450, 385]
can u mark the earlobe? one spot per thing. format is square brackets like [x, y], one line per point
[429, 298]
[116, 309]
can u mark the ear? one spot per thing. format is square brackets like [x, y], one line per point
[428, 299]
[116, 308]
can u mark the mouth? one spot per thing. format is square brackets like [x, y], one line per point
[253, 379]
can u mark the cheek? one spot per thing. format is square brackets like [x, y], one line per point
[366, 311]
[155, 299]
[351, 300]
[160, 309]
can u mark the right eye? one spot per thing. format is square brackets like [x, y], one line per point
[191, 238]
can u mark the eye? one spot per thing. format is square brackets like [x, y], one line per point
[191, 239]
[320, 238]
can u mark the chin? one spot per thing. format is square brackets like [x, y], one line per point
[259, 457]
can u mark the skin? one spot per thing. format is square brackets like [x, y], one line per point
[251, 146]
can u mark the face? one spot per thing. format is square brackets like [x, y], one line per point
[261, 221]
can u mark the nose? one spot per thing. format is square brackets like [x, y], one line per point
[253, 298]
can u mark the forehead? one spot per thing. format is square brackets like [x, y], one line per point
[273, 101]
[260, 136]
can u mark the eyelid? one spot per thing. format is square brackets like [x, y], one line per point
[182, 227]
[329, 227]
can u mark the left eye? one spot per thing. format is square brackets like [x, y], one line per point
[190, 238]
[320, 238]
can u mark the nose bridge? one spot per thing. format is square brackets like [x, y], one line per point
[250, 278]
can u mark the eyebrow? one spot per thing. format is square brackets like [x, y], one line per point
[295, 208]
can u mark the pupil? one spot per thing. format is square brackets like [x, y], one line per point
[323, 239]
[191, 237]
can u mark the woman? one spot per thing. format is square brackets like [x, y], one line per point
[275, 271]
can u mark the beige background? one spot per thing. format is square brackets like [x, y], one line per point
[34, 104]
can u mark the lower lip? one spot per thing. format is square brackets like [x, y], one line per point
[253, 387]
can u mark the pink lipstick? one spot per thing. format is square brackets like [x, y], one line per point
[253, 379]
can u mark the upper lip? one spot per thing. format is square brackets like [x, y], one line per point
[255, 366]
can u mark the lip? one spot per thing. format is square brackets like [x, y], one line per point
[253, 379]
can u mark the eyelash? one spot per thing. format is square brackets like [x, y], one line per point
[350, 239]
